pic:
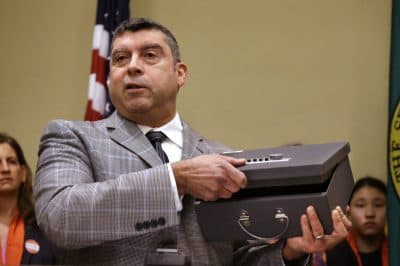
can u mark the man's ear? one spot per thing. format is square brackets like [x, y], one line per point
[181, 71]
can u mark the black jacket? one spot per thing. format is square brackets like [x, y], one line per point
[342, 255]
[45, 254]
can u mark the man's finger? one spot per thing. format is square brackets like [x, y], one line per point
[306, 229]
[235, 161]
[344, 218]
[338, 224]
[237, 176]
[225, 194]
[316, 226]
[231, 186]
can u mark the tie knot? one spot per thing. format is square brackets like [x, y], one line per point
[156, 136]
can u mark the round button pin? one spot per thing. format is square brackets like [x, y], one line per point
[32, 246]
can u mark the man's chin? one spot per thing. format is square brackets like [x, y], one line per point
[138, 106]
[135, 112]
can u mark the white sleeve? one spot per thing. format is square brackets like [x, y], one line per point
[178, 202]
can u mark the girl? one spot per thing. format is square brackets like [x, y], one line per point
[366, 244]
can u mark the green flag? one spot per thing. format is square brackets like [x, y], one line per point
[394, 141]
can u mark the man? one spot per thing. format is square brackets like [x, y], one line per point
[104, 194]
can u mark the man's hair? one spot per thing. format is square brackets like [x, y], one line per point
[24, 200]
[369, 181]
[137, 24]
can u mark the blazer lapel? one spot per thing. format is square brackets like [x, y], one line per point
[191, 141]
[128, 135]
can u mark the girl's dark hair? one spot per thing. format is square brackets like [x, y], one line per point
[368, 181]
[24, 201]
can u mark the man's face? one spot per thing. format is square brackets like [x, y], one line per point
[368, 211]
[144, 78]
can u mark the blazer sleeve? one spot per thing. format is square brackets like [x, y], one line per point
[75, 211]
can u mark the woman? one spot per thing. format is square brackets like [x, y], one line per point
[20, 239]
[366, 244]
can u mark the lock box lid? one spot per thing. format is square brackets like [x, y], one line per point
[291, 165]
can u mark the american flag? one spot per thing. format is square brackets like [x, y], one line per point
[110, 13]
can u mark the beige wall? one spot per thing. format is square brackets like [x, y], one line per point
[262, 73]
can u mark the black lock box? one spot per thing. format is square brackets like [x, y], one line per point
[282, 182]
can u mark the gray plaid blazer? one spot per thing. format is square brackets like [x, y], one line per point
[103, 196]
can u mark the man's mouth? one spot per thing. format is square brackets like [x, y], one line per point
[134, 86]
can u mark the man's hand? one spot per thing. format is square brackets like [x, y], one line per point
[313, 238]
[209, 177]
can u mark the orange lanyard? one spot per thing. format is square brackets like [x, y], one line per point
[384, 249]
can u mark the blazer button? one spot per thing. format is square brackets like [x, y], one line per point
[161, 221]
[146, 225]
[138, 226]
[153, 223]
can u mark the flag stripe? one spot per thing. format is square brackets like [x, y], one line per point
[110, 13]
[99, 67]
[91, 114]
[101, 39]
[92, 81]
[99, 98]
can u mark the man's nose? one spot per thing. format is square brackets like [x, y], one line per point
[135, 66]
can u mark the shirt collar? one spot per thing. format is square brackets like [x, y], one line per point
[172, 129]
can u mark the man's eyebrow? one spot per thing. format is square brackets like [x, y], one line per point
[116, 50]
[144, 47]
[151, 46]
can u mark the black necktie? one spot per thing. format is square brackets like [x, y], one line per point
[156, 138]
[170, 239]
